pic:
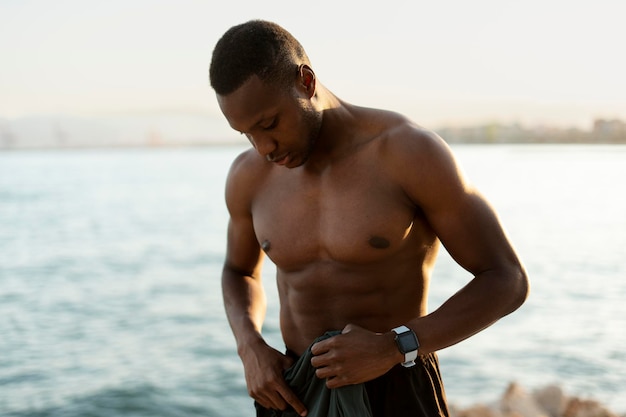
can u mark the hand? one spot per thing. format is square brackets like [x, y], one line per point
[264, 377]
[355, 356]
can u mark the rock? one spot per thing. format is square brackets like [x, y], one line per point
[478, 410]
[516, 402]
[549, 401]
[552, 400]
[577, 407]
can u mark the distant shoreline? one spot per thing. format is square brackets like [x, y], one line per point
[228, 145]
[51, 133]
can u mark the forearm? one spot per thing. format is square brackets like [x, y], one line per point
[245, 305]
[484, 300]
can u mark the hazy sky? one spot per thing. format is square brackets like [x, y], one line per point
[533, 61]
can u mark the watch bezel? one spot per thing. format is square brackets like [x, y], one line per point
[408, 344]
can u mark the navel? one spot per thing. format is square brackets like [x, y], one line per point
[379, 242]
[266, 245]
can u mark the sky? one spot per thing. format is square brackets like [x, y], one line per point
[439, 62]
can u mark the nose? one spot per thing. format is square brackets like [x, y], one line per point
[264, 145]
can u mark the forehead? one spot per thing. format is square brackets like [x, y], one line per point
[246, 105]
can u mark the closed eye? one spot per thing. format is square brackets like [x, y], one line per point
[272, 125]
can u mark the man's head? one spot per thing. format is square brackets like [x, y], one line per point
[257, 48]
[265, 89]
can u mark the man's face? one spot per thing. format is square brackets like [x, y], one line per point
[281, 123]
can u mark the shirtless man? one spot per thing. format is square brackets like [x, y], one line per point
[350, 204]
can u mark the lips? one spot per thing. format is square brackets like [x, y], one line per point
[283, 160]
[280, 160]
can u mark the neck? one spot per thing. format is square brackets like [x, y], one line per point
[337, 126]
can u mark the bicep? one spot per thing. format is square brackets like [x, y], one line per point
[471, 232]
[463, 220]
[243, 253]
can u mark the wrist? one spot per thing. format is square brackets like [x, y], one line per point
[396, 356]
[249, 344]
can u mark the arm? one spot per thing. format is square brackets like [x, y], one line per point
[244, 297]
[245, 303]
[471, 232]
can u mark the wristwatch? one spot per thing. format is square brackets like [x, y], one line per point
[408, 344]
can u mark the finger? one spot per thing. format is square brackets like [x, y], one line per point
[320, 347]
[270, 397]
[288, 395]
[324, 346]
[319, 361]
[264, 398]
[265, 403]
[335, 382]
[324, 373]
[276, 401]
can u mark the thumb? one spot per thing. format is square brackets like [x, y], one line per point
[349, 327]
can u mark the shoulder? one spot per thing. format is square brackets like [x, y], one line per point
[244, 164]
[419, 160]
[404, 142]
[393, 132]
[244, 176]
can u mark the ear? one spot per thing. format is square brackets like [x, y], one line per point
[306, 78]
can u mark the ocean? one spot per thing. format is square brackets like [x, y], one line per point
[110, 261]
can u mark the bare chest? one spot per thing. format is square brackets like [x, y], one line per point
[351, 216]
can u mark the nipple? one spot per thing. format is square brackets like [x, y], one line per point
[266, 245]
[379, 242]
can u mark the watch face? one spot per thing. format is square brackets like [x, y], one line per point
[407, 342]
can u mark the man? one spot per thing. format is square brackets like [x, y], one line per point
[350, 203]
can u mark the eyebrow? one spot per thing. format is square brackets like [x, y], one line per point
[260, 121]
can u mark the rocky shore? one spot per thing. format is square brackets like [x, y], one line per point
[549, 401]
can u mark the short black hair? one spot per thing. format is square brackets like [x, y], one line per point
[256, 47]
